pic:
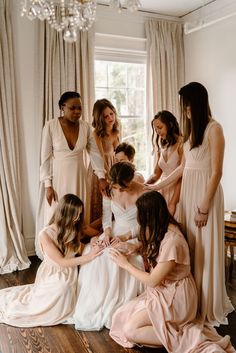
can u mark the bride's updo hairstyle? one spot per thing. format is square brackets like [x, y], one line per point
[121, 173]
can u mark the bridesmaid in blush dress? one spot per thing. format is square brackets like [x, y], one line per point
[169, 144]
[201, 205]
[164, 315]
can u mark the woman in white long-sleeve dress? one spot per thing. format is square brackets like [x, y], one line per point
[64, 143]
[103, 286]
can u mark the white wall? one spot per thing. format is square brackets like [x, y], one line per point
[210, 58]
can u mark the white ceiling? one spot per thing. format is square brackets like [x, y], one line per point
[177, 8]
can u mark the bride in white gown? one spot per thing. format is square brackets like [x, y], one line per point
[104, 286]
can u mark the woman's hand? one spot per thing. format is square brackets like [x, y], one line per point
[50, 195]
[200, 218]
[126, 248]
[93, 241]
[118, 258]
[104, 187]
[96, 250]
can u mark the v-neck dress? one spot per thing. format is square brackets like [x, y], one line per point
[65, 169]
[206, 243]
[167, 167]
[171, 307]
[103, 286]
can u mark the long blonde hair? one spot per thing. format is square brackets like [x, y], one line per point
[69, 228]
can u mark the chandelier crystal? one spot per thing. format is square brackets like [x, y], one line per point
[69, 15]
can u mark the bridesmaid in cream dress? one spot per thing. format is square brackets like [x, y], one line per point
[52, 298]
[103, 286]
[164, 315]
[107, 135]
[64, 143]
[201, 206]
[169, 144]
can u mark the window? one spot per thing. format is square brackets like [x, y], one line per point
[123, 83]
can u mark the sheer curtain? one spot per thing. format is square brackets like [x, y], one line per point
[12, 248]
[62, 67]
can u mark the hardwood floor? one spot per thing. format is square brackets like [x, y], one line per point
[65, 339]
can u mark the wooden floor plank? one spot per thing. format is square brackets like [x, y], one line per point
[64, 338]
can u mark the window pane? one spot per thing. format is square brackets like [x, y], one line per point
[117, 75]
[119, 99]
[136, 76]
[134, 132]
[101, 73]
[101, 93]
[135, 102]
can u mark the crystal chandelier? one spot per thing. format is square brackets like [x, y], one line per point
[69, 15]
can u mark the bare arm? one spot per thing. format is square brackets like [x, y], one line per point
[50, 248]
[152, 279]
[156, 174]
[217, 147]
[172, 178]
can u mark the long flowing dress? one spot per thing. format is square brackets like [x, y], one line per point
[207, 243]
[171, 307]
[104, 286]
[106, 149]
[167, 167]
[65, 169]
[48, 301]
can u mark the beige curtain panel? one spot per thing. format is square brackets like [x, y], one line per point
[62, 67]
[165, 64]
[165, 68]
[12, 248]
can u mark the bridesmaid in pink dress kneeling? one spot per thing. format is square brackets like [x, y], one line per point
[164, 315]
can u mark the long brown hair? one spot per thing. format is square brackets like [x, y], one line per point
[195, 96]
[172, 127]
[154, 219]
[69, 230]
[98, 121]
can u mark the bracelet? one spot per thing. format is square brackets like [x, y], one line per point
[202, 213]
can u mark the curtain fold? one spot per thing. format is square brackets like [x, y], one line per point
[13, 254]
[165, 68]
[61, 67]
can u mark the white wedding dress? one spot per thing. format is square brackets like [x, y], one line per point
[103, 286]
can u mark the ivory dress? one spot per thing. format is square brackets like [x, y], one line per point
[49, 301]
[106, 149]
[103, 286]
[65, 169]
[167, 167]
[171, 306]
[207, 243]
